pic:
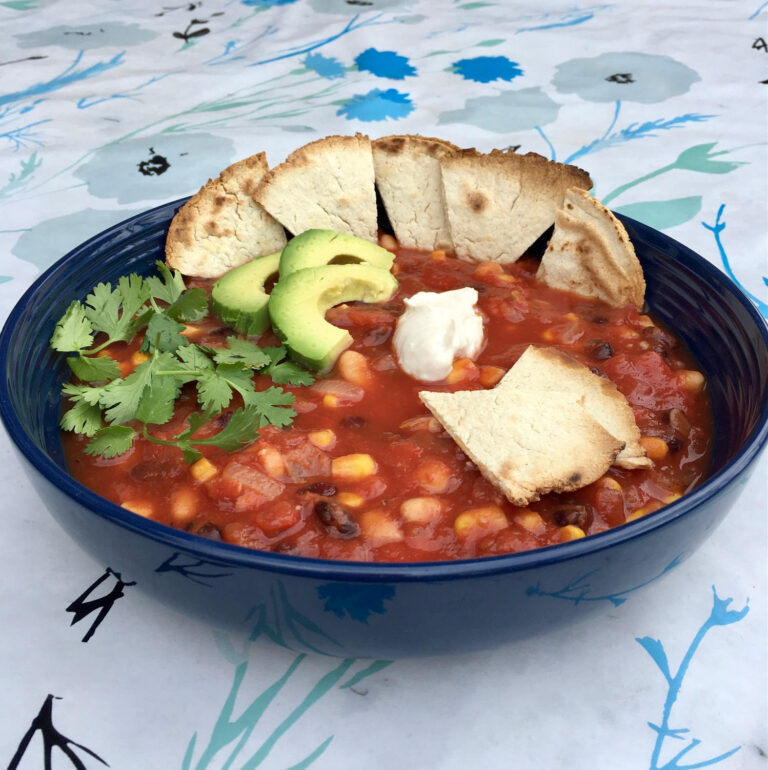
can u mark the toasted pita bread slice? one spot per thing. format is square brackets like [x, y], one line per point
[544, 370]
[498, 204]
[590, 254]
[327, 184]
[408, 178]
[222, 226]
[526, 447]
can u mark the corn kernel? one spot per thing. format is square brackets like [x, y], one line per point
[645, 510]
[271, 460]
[322, 439]
[354, 368]
[354, 466]
[387, 242]
[379, 527]
[477, 521]
[638, 514]
[139, 507]
[139, 358]
[571, 316]
[463, 369]
[434, 476]
[350, 499]
[490, 375]
[672, 498]
[203, 470]
[421, 509]
[571, 532]
[644, 320]
[608, 482]
[438, 255]
[330, 400]
[530, 520]
[690, 379]
[548, 335]
[395, 269]
[655, 448]
[184, 504]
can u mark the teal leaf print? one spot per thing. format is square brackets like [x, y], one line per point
[720, 615]
[662, 215]
[17, 180]
[385, 64]
[486, 69]
[377, 105]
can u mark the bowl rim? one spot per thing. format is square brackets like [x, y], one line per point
[378, 572]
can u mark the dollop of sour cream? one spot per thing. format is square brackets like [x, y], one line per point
[435, 329]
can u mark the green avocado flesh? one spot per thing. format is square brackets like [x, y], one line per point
[299, 301]
[314, 248]
[239, 299]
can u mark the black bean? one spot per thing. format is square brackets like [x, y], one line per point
[352, 421]
[600, 319]
[602, 350]
[598, 372]
[660, 341]
[578, 515]
[336, 519]
[324, 488]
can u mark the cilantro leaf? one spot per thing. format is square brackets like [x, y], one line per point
[157, 401]
[101, 369]
[168, 286]
[90, 394]
[163, 333]
[241, 429]
[122, 399]
[74, 331]
[288, 373]
[113, 311]
[273, 406]
[111, 441]
[285, 372]
[82, 417]
[192, 305]
[215, 388]
[242, 352]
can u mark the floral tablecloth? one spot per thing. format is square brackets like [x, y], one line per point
[110, 108]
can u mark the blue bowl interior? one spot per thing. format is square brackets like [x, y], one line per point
[712, 316]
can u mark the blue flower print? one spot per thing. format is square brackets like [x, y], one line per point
[377, 105]
[156, 167]
[633, 77]
[506, 112]
[352, 8]
[87, 36]
[385, 64]
[356, 601]
[325, 66]
[485, 69]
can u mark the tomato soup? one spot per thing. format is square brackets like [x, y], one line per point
[366, 473]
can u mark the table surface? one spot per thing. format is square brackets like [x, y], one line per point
[108, 109]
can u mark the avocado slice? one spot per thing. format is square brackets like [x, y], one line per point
[239, 299]
[314, 248]
[299, 301]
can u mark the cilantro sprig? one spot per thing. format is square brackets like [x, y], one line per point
[113, 410]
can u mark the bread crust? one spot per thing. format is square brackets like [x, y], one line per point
[222, 226]
[499, 203]
[590, 254]
[327, 184]
[408, 178]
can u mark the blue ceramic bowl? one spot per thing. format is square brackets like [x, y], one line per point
[391, 610]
